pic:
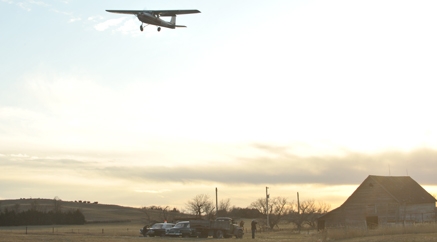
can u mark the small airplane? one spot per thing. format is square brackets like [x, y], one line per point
[153, 17]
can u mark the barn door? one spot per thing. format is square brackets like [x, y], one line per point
[372, 222]
[320, 224]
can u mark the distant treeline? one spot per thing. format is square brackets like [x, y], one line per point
[34, 217]
[240, 213]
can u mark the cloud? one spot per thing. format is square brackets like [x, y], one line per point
[153, 191]
[279, 167]
[39, 3]
[27, 5]
[125, 26]
[74, 20]
[24, 6]
[326, 177]
[129, 27]
[61, 12]
[19, 155]
[109, 23]
[276, 166]
[95, 18]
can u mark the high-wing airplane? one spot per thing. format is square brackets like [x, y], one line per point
[153, 17]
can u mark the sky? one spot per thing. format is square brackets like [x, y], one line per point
[298, 96]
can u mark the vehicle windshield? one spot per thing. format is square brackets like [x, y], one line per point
[179, 225]
[182, 225]
[156, 226]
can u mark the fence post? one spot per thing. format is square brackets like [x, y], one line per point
[26, 229]
[102, 231]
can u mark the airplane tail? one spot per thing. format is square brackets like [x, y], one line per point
[173, 22]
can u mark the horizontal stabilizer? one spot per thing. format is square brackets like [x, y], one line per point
[180, 26]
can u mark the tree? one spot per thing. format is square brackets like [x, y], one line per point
[164, 213]
[17, 207]
[245, 212]
[200, 204]
[308, 213]
[278, 207]
[260, 205]
[57, 204]
[224, 207]
[34, 205]
[225, 204]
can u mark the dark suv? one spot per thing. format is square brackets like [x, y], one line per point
[182, 229]
[158, 229]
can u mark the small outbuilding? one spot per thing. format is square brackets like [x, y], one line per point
[383, 200]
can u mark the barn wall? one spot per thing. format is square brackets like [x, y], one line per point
[369, 200]
[418, 213]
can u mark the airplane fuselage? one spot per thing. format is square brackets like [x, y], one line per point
[149, 18]
[153, 17]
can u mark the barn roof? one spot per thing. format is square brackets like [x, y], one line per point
[404, 189]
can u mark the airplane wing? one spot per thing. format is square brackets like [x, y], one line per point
[126, 11]
[174, 12]
[157, 12]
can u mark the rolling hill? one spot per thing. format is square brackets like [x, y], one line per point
[93, 212]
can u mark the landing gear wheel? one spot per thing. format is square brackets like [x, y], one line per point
[141, 27]
[159, 29]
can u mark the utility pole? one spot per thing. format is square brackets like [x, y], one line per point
[267, 206]
[216, 202]
[298, 204]
[298, 210]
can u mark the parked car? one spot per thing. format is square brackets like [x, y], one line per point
[159, 229]
[182, 229]
[144, 230]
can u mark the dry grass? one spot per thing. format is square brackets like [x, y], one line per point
[418, 232]
[123, 232]
[130, 232]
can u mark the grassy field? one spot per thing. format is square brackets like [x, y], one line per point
[123, 232]
[130, 232]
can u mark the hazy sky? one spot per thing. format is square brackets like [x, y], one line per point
[300, 96]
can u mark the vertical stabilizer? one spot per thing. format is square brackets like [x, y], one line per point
[173, 20]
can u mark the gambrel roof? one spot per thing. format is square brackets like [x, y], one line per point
[376, 194]
[403, 189]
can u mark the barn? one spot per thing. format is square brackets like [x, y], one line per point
[383, 200]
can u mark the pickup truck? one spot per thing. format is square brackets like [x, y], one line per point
[221, 227]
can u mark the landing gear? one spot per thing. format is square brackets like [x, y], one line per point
[143, 26]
